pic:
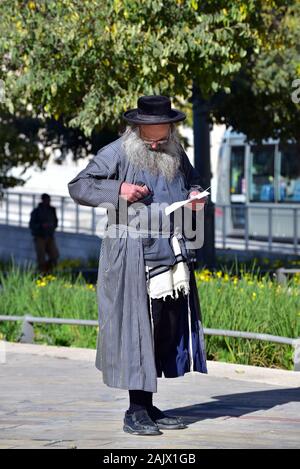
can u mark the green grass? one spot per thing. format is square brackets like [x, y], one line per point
[27, 293]
[250, 302]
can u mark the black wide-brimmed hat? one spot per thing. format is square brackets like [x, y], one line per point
[153, 110]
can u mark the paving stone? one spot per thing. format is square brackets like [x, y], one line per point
[48, 402]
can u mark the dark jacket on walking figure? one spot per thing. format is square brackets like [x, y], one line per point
[43, 221]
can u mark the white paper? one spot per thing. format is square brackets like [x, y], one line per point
[171, 208]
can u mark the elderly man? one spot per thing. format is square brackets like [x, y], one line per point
[149, 312]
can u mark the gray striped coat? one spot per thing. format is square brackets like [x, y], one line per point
[125, 352]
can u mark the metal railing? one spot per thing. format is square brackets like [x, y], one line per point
[16, 207]
[266, 228]
[27, 332]
[258, 227]
[282, 274]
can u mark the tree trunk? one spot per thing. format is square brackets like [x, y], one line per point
[206, 255]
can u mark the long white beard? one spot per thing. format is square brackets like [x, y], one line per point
[165, 162]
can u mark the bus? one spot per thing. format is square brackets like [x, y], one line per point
[258, 188]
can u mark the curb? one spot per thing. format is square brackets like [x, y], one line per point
[273, 376]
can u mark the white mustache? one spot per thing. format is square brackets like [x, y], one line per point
[165, 160]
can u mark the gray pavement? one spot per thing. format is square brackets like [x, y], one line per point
[54, 398]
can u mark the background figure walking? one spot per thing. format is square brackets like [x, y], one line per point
[43, 222]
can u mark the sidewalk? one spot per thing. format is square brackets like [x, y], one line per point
[53, 397]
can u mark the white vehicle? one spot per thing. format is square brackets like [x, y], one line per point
[258, 191]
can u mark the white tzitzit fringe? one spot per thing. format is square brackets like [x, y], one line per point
[190, 335]
[152, 323]
[171, 282]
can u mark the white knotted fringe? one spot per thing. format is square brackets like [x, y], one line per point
[190, 335]
[152, 323]
[171, 282]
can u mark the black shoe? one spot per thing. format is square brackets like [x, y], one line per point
[165, 421]
[139, 423]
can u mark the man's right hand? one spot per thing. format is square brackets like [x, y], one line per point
[132, 192]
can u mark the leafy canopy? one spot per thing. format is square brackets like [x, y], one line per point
[89, 61]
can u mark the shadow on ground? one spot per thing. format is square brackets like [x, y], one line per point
[237, 405]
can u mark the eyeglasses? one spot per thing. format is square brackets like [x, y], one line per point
[158, 142]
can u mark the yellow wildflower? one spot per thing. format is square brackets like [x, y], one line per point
[49, 278]
[41, 283]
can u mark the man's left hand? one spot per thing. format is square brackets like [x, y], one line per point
[196, 204]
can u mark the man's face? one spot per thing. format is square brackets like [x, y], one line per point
[154, 148]
[155, 135]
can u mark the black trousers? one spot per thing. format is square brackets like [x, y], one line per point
[169, 319]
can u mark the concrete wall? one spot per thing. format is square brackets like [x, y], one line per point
[17, 242]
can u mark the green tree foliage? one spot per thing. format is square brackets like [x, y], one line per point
[261, 103]
[83, 63]
[27, 141]
[19, 139]
[89, 61]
